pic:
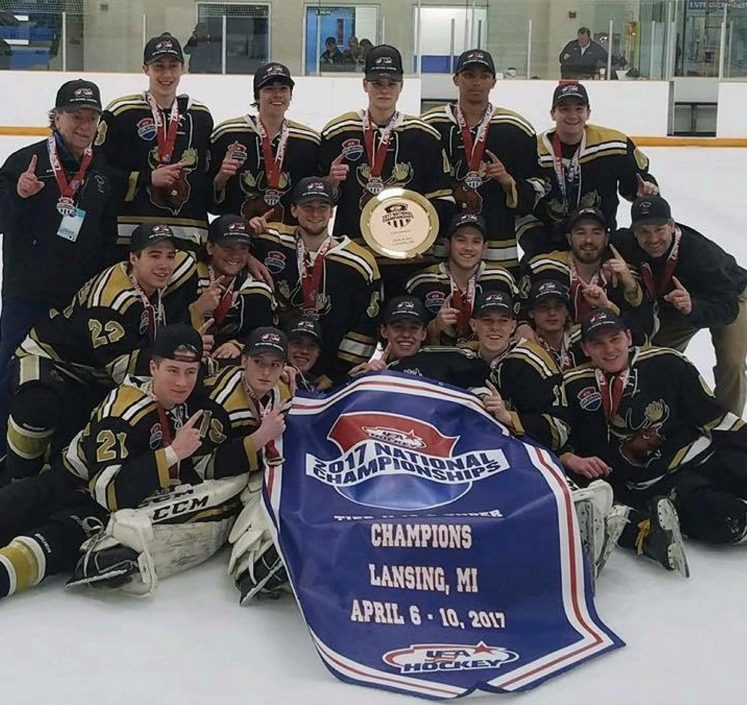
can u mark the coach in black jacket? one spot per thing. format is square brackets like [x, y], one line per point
[582, 57]
[58, 223]
[694, 285]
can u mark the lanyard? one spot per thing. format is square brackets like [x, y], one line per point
[657, 288]
[65, 205]
[165, 136]
[311, 275]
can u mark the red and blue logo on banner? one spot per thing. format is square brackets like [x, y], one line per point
[431, 553]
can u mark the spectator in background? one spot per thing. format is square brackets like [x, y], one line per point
[353, 52]
[332, 53]
[582, 57]
[203, 50]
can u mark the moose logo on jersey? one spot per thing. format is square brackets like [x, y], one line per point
[373, 446]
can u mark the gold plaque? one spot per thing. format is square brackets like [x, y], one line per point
[399, 223]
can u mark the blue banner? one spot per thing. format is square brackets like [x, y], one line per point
[431, 553]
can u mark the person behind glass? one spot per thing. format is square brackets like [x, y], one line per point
[204, 51]
[304, 347]
[353, 52]
[492, 152]
[366, 151]
[256, 159]
[694, 285]
[580, 166]
[332, 53]
[58, 204]
[159, 143]
[225, 294]
[582, 57]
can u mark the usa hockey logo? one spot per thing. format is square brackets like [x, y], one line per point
[146, 129]
[430, 658]
[374, 446]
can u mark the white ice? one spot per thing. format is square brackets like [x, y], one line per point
[192, 644]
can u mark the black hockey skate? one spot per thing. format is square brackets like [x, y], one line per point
[266, 578]
[661, 539]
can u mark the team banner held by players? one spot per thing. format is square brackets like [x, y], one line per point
[430, 552]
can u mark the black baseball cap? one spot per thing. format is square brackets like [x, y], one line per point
[493, 302]
[272, 72]
[546, 289]
[306, 325]
[600, 320]
[148, 235]
[405, 308]
[461, 220]
[567, 90]
[178, 341]
[266, 339]
[586, 214]
[312, 188]
[229, 229]
[475, 57]
[650, 210]
[78, 94]
[162, 46]
[383, 60]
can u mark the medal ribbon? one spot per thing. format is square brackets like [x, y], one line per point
[222, 309]
[566, 178]
[260, 411]
[376, 159]
[166, 137]
[612, 392]
[155, 314]
[657, 288]
[473, 150]
[67, 190]
[273, 163]
[311, 276]
[168, 438]
[463, 301]
[579, 305]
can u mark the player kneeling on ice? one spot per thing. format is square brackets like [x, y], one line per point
[140, 440]
[645, 420]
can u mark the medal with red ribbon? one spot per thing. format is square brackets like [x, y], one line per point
[273, 162]
[377, 156]
[311, 275]
[463, 301]
[657, 288]
[579, 305]
[224, 306]
[272, 454]
[474, 149]
[612, 391]
[66, 204]
[153, 316]
[568, 178]
[165, 135]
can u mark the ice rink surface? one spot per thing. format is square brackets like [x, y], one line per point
[191, 643]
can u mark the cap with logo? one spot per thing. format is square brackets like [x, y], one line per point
[148, 235]
[405, 308]
[587, 214]
[78, 94]
[461, 220]
[383, 60]
[164, 46]
[476, 58]
[569, 90]
[650, 210]
[306, 325]
[272, 72]
[599, 321]
[266, 339]
[178, 341]
[494, 302]
[547, 289]
[229, 229]
[312, 188]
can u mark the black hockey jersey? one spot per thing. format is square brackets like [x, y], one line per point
[347, 305]
[635, 307]
[459, 367]
[246, 193]
[667, 421]
[105, 332]
[127, 137]
[414, 160]
[121, 456]
[605, 163]
[251, 303]
[433, 285]
[513, 140]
